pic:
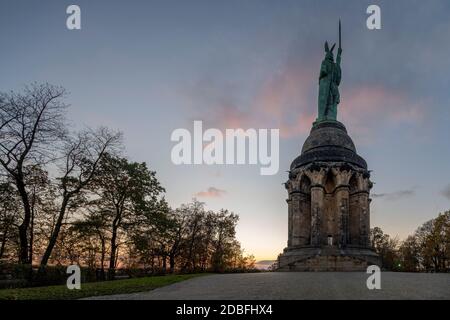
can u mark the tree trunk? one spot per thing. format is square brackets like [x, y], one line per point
[23, 228]
[152, 264]
[102, 260]
[191, 258]
[164, 266]
[171, 262]
[112, 257]
[30, 254]
[55, 233]
[115, 227]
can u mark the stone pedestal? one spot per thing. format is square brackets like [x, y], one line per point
[328, 200]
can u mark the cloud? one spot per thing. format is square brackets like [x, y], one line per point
[278, 103]
[286, 98]
[365, 108]
[211, 193]
[392, 196]
[446, 192]
[288, 101]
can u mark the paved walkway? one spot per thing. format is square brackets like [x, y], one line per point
[300, 285]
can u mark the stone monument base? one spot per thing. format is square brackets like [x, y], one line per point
[327, 259]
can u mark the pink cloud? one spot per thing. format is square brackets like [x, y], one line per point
[211, 193]
[287, 100]
[386, 103]
[284, 101]
[365, 109]
[281, 102]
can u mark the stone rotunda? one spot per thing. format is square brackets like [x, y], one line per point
[328, 192]
[328, 205]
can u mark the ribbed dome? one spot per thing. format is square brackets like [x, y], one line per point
[328, 141]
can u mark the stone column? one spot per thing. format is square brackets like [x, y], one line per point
[344, 230]
[364, 234]
[295, 223]
[364, 219]
[305, 218]
[367, 224]
[364, 202]
[342, 198]
[317, 203]
[289, 202]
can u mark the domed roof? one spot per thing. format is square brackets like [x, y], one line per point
[328, 141]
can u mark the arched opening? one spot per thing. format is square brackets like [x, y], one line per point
[304, 223]
[330, 210]
[305, 184]
[353, 184]
[330, 183]
[354, 211]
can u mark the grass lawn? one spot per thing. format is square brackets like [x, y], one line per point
[93, 288]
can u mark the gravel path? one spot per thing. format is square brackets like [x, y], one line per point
[300, 285]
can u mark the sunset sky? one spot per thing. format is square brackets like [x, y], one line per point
[149, 67]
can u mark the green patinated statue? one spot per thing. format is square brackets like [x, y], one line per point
[329, 80]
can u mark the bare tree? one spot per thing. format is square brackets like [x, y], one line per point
[128, 196]
[30, 124]
[79, 164]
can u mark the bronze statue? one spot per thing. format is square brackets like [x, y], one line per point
[329, 80]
